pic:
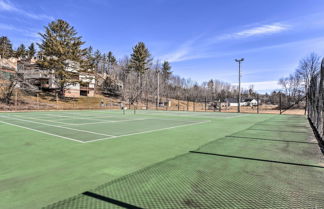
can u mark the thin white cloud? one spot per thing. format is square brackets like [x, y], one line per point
[179, 55]
[256, 31]
[5, 5]
[202, 47]
[25, 32]
[8, 6]
[184, 52]
[189, 53]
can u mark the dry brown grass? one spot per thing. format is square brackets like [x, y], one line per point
[46, 102]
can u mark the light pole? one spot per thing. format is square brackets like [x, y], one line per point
[239, 87]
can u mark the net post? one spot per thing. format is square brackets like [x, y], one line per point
[205, 104]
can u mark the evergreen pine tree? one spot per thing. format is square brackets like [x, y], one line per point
[89, 60]
[140, 63]
[5, 47]
[21, 51]
[140, 58]
[31, 51]
[61, 43]
[166, 71]
[111, 60]
[97, 60]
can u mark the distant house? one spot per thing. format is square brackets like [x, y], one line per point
[232, 102]
[8, 67]
[30, 72]
[251, 102]
[84, 85]
[109, 85]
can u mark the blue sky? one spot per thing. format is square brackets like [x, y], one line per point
[200, 38]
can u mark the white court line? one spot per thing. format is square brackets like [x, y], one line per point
[115, 121]
[74, 129]
[43, 132]
[93, 117]
[70, 124]
[153, 115]
[143, 132]
[70, 117]
[75, 116]
[238, 116]
[216, 116]
[43, 120]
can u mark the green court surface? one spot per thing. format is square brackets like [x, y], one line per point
[156, 159]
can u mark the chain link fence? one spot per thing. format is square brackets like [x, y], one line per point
[315, 99]
[278, 103]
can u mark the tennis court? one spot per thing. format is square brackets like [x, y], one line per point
[157, 159]
[93, 126]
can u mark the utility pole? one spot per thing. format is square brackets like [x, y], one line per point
[239, 87]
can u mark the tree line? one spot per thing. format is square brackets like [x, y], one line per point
[7, 51]
[296, 85]
[142, 77]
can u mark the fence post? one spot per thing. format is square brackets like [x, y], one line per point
[194, 105]
[205, 104]
[37, 101]
[56, 97]
[280, 102]
[187, 104]
[178, 104]
[257, 103]
[147, 102]
[16, 99]
[306, 100]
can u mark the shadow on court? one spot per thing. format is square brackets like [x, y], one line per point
[240, 171]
